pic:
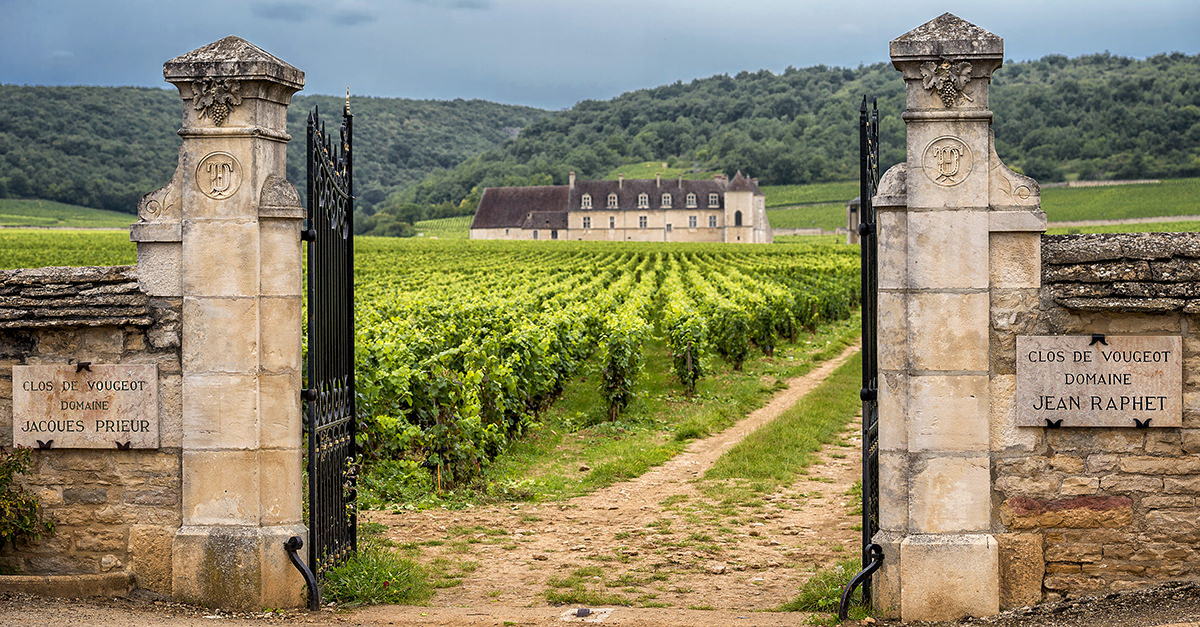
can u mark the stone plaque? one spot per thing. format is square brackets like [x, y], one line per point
[1098, 381]
[100, 406]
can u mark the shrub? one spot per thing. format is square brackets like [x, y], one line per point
[20, 514]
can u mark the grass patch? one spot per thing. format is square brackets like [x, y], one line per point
[1146, 227]
[376, 575]
[823, 592]
[48, 213]
[1171, 197]
[458, 227]
[839, 240]
[36, 248]
[773, 455]
[581, 587]
[836, 192]
[649, 169]
[854, 505]
[826, 216]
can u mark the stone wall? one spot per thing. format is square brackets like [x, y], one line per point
[114, 510]
[1086, 510]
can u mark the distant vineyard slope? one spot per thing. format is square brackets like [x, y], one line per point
[103, 147]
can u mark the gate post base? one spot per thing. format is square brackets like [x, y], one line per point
[944, 576]
[242, 568]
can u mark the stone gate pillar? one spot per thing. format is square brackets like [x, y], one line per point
[941, 215]
[224, 235]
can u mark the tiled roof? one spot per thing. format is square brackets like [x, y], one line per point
[502, 207]
[628, 191]
[545, 220]
[546, 206]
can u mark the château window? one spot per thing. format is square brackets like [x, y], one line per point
[535, 234]
[612, 201]
[586, 201]
[737, 218]
[666, 201]
[691, 222]
[612, 222]
[641, 222]
[691, 201]
[587, 222]
[712, 222]
[714, 200]
[643, 201]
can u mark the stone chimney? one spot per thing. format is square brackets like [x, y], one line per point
[571, 180]
[657, 179]
[620, 181]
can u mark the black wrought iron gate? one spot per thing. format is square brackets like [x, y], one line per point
[872, 554]
[330, 422]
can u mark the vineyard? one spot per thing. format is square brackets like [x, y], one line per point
[462, 345]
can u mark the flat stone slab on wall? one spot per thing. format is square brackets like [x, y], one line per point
[85, 406]
[1098, 381]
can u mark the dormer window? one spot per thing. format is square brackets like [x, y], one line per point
[691, 201]
[666, 201]
[612, 201]
[586, 201]
[714, 200]
[643, 201]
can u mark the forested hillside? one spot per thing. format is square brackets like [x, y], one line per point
[104, 147]
[1097, 116]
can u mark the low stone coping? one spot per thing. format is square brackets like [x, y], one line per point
[1131, 272]
[114, 584]
[88, 296]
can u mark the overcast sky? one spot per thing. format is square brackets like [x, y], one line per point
[544, 53]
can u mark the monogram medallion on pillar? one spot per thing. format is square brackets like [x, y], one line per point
[947, 161]
[218, 175]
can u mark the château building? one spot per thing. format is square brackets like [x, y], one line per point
[650, 210]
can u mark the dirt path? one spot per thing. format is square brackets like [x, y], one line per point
[661, 540]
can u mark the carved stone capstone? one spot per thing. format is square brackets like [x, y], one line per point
[231, 57]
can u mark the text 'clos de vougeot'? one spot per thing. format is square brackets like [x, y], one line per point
[97, 406]
[1115, 381]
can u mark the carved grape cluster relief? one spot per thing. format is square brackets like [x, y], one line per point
[215, 98]
[948, 79]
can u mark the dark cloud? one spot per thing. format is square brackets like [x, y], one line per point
[283, 11]
[352, 17]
